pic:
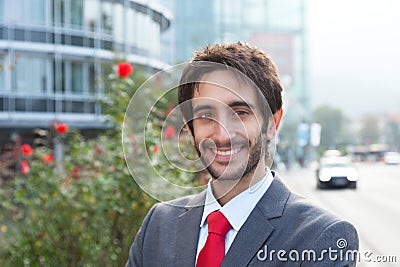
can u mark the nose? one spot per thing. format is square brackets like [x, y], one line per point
[222, 132]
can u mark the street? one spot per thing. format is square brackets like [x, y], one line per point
[373, 208]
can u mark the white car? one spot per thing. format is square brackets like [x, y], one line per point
[391, 158]
[336, 172]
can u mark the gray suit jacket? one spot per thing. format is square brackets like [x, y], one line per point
[281, 220]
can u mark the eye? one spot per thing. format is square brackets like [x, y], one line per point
[206, 115]
[241, 112]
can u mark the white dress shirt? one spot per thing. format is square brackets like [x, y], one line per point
[236, 210]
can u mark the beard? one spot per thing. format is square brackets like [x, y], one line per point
[244, 168]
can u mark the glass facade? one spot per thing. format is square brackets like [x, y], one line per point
[29, 75]
[74, 22]
[52, 53]
[44, 84]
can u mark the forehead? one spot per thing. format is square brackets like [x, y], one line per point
[224, 86]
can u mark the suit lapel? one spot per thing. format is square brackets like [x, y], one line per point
[248, 240]
[256, 230]
[188, 231]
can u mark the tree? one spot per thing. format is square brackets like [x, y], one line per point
[369, 131]
[332, 121]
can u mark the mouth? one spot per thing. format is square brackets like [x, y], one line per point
[226, 154]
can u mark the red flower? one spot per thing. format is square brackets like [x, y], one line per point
[169, 132]
[48, 158]
[25, 167]
[26, 150]
[61, 128]
[124, 69]
[156, 149]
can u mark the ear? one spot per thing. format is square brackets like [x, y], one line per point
[273, 124]
[277, 118]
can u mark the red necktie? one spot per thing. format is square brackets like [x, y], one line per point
[213, 251]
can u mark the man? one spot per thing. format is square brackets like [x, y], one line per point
[230, 97]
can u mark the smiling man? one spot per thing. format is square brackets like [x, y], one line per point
[230, 98]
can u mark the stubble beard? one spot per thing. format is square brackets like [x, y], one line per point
[244, 169]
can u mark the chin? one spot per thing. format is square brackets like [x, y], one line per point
[222, 175]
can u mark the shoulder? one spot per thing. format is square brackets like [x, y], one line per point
[304, 219]
[178, 205]
[324, 232]
[311, 215]
[301, 210]
[306, 210]
[304, 226]
[322, 228]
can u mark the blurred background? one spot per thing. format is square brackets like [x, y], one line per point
[339, 63]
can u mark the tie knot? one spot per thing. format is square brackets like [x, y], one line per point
[217, 223]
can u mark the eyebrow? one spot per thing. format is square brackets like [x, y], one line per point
[242, 104]
[232, 104]
[202, 107]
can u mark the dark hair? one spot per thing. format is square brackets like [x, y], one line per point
[251, 61]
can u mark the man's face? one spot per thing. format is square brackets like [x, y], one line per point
[227, 126]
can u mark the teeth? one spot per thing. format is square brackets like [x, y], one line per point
[228, 152]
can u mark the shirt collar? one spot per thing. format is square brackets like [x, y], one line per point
[238, 208]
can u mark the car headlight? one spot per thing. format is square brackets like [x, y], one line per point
[353, 176]
[324, 176]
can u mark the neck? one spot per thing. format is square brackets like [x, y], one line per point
[224, 190]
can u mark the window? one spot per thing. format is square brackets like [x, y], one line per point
[58, 12]
[91, 16]
[77, 78]
[37, 12]
[76, 14]
[130, 27]
[12, 11]
[106, 17]
[30, 74]
[118, 23]
[141, 26]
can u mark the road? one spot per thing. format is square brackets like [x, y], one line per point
[373, 208]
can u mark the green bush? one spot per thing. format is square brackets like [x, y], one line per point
[85, 209]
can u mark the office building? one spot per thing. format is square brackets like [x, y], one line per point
[53, 55]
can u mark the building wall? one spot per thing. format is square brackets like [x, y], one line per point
[53, 53]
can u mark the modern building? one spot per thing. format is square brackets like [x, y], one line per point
[276, 26]
[53, 55]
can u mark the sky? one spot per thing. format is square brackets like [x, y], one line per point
[354, 55]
